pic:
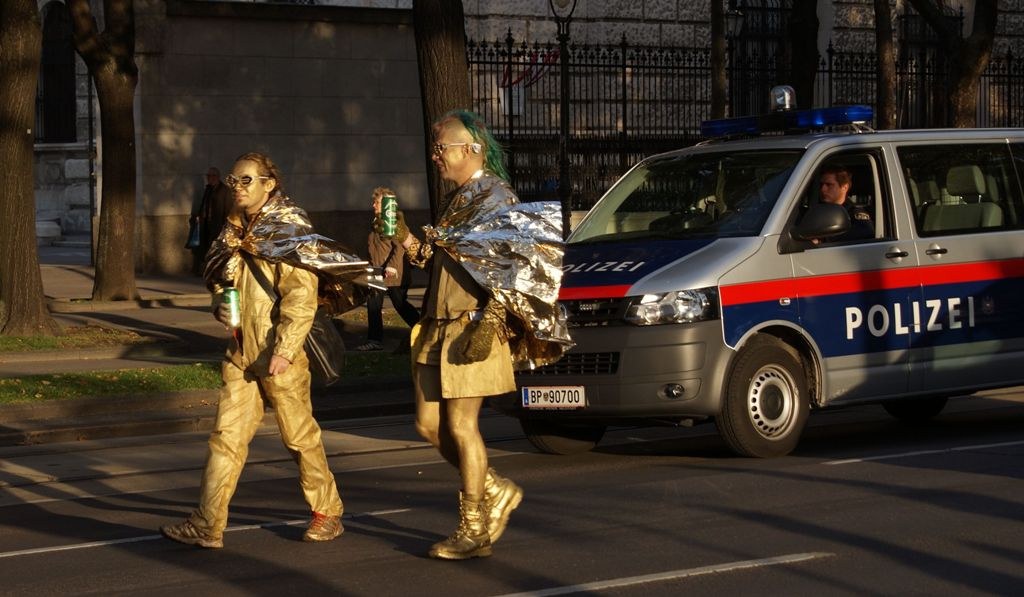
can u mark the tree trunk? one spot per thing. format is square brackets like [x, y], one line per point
[968, 58]
[444, 82]
[885, 75]
[22, 307]
[115, 249]
[803, 41]
[719, 84]
[110, 57]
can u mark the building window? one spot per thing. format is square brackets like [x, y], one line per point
[55, 94]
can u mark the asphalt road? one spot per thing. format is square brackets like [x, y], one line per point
[865, 506]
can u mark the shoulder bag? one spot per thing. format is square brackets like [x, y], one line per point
[324, 345]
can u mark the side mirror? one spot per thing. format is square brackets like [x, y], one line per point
[822, 221]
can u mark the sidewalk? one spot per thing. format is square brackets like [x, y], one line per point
[174, 311]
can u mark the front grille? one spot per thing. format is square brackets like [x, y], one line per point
[596, 312]
[580, 363]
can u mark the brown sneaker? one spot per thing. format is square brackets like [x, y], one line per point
[323, 528]
[189, 534]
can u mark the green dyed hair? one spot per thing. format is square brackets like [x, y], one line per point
[494, 154]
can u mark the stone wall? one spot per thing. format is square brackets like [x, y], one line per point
[62, 185]
[331, 94]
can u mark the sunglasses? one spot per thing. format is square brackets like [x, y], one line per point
[241, 181]
[440, 147]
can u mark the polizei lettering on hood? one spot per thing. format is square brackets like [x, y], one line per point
[924, 316]
[603, 266]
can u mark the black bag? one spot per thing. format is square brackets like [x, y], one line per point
[193, 235]
[325, 348]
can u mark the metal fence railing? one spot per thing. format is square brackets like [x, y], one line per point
[630, 101]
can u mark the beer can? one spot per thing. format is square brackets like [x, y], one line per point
[234, 308]
[389, 215]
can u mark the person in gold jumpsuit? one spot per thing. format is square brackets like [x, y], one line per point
[462, 348]
[265, 359]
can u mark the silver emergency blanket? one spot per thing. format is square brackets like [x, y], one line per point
[282, 232]
[513, 250]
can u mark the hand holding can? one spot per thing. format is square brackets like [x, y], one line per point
[388, 215]
[230, 298]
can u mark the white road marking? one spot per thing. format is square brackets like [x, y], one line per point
[922, 453]
[673, 575]
[247, 527]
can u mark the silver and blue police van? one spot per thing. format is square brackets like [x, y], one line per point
[713, 283]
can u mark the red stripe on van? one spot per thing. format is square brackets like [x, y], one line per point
[589, 292]
[755, 292]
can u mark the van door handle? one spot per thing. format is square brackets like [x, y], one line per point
[896, 254]
[936, 251]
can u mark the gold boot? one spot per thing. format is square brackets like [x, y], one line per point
[470, 540]
[501, 497]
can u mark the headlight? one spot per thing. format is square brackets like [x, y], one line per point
[681, 306]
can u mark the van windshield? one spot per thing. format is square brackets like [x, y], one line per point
[694, 195]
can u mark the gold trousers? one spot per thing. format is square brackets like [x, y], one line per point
[238, 417]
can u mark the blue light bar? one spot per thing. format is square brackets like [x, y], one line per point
[815, 118]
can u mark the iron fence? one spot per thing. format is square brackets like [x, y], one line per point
[629, 101]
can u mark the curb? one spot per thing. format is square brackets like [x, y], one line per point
[79, 408]
[83, 305]
[335, 398]
[177, 412]
[171, 348]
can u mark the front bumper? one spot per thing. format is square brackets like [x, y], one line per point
[626, 372]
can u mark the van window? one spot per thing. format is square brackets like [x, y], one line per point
[694, 195]
[961, 189]
[853, 180]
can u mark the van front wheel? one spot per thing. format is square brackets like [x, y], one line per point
[766, 403]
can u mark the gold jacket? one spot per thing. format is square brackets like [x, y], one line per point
[301, 266]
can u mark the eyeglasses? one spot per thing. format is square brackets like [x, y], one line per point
[241, 181]
[440, 147]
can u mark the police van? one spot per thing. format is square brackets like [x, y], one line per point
[718, 283]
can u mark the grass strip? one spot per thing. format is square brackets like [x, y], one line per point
[78, 336]
[170, 378]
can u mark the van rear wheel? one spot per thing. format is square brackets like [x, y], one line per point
[766, 402]
[915, 411]
[560, 438]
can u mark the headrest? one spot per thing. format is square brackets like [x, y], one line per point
[965, 181]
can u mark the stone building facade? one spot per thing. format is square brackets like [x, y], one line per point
[330, 91]
[63, 167]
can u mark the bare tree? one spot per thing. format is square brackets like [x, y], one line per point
[885, 75]
[440, 30]
[968, 57]
[110, 56]
[22, 306]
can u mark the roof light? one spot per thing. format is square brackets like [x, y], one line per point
[782, 97]
[781, 121]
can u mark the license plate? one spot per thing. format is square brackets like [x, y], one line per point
[554, 397]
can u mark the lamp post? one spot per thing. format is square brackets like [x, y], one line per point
[562, 11]
[733, 26]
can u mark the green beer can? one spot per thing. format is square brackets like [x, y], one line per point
[230, 297]
[389, 215]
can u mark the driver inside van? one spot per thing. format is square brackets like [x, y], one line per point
[834, 182]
